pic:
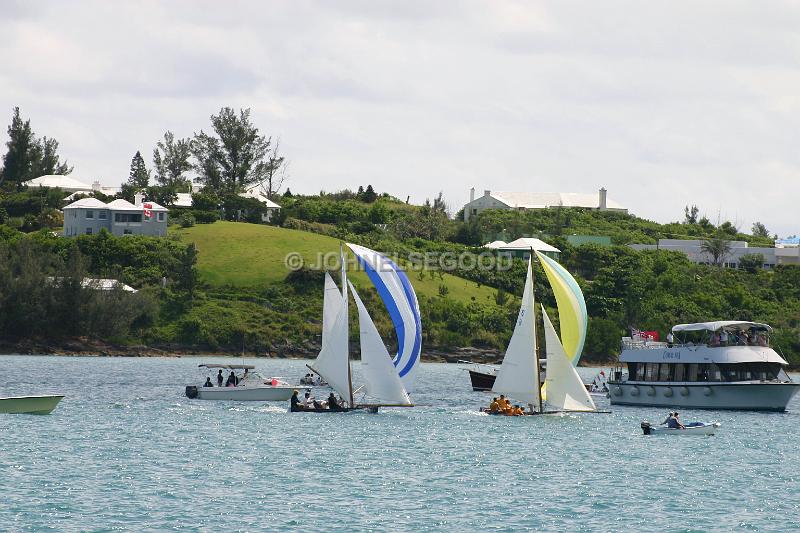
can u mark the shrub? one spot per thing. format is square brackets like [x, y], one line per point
[186, 220]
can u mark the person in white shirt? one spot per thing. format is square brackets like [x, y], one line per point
[723, 337]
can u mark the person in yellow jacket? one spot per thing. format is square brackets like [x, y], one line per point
[518, 411]
[494, 407]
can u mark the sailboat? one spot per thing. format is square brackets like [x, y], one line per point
[382, 380]
[518, 377]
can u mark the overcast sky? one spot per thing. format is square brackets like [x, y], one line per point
[663, 103]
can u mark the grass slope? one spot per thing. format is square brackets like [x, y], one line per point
[252, 255]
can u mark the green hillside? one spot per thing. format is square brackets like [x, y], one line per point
[253, 255]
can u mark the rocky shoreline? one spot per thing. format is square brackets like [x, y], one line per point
[96, 348]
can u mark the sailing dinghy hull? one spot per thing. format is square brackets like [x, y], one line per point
[367, 409]
[32, 405]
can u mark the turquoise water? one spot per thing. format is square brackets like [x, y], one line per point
[126, 450]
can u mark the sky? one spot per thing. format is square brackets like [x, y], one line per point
[662, 103]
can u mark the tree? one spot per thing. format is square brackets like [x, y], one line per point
[369, 195]
[171, 160]
[717, 247]
[760, 230]
[238, 157]
[139, 176]
[276, 172]
[690, 214]
[26, 156]
[751, 262]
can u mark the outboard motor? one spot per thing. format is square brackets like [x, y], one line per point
[645, 426]
[191, 391]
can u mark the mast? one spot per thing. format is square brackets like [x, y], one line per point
[535, 343]
[346, 317]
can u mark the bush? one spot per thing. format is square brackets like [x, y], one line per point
[186, 220]
[205, 217]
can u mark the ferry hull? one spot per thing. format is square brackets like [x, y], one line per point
[754, 396]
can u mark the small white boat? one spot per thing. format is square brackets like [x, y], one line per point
[249, 386]
[32, 405]
[695, 428]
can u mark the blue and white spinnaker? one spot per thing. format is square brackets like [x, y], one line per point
[400, 300]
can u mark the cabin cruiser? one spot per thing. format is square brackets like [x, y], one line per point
[708, 365]
[246, 385]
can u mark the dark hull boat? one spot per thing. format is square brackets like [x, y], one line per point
[367, 409]
[481, 381]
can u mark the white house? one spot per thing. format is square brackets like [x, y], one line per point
[693, 250]
[184, 200]
[89, 215]
[538, 200]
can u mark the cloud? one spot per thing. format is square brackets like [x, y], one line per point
[663, 105]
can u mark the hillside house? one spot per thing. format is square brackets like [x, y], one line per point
[538, 200]
[120, 217]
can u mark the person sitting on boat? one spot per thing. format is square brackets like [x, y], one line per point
[220, 378]
[295, 401]
[494, 407]
[669, 339]
[208, 382]
[666, 420]
[332, 403]
[231, 382]
[674, 423]
[723, 337]
[518, 411]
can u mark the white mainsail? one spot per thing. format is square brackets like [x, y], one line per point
[518, 376]
[565, 389]
[382, 380]
[331, 305]
[333, 361]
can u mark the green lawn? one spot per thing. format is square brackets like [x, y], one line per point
[252, 255]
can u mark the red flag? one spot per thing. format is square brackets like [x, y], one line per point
[148, 210]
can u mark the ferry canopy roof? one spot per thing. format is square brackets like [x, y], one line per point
[720, 324]
[229, 367]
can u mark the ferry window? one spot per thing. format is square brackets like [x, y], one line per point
[692, 373]
[679, 372]
[664, 372]
[713, 372]
[640, 372]
[651, 372]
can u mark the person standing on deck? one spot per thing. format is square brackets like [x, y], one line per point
[220, 379]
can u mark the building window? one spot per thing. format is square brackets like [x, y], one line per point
[102, 215]
[89, 214]
[127, 232]
[162, 217]
[127, 217]
[88, 231]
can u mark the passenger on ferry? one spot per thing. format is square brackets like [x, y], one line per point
[723, 337]
[715, 339]
[231, 382]
[220, 378]
[669, 339]
[208, 382]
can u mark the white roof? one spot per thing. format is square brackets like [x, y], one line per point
[105, 284]
[153, 206]
[540, 200]
[77, 193]
[123, 205]
[526, 243]
[495, 245]
[87, 203]
[184, 199]
[714, 326]
[255, 192]
[57, 180]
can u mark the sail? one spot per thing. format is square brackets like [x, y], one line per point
[518, 376]
[565, 389]
[382, 381]
[400, 300]
[333, 361]
[572, 316]
[331, 304]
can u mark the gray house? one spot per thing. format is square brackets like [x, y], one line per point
[120, 217]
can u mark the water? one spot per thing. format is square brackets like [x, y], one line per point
[125, 450]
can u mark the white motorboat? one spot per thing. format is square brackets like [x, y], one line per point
[696, 428]
[709, 365]
[245, 386]
[32, 405]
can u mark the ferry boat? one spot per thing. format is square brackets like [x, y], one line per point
[708, 365]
